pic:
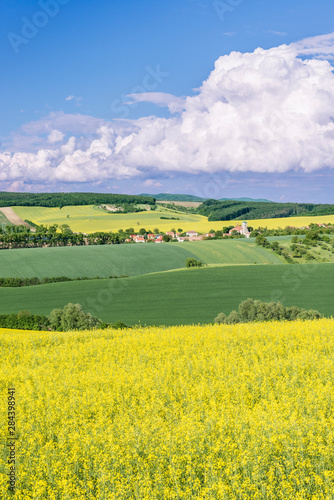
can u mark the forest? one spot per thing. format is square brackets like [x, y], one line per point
[70, 199]
[217, 210]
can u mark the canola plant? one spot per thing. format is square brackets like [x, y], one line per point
[189, 412]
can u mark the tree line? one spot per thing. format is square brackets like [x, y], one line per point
[20, 282]
[71, 199]
[217, 210]
[55, 236]
[256, 310]
[71, 317]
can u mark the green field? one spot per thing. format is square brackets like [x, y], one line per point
[132, 259]
[182, 297]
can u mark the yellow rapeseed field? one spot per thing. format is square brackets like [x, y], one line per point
[88, 219]
[193, 412]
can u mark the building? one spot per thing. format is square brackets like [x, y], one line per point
[139, 239]
[191, 233]
[243, 229]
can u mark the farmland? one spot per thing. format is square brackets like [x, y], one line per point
[204, 412]
[4, 221]
[181, 297]
[89, 219]
[106, 260]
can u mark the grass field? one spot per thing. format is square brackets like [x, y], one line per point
[132, 260]
[88, 219]
[204, 413]
[182, 297]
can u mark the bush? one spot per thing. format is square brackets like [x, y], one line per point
[221, 318]
[256, 310]
[191, 262]
[72, 317]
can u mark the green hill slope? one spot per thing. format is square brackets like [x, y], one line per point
[182, 297]
[132, 260]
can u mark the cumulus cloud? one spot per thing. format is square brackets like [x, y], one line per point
[265, 111]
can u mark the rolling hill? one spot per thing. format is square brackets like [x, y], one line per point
[181, 297]
[132, 260]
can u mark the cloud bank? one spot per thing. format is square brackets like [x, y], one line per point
[265, 111]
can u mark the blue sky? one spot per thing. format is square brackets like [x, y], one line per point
[69, 67]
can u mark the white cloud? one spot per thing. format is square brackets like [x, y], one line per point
[55, 136]
[152, 183]
[74, 98]
[278, 33]
[266, 111]
[175, 104]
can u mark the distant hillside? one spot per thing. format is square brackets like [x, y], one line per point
[70, 199]
[189, 197]
[217, 210]
[245, 199]
[174, 197]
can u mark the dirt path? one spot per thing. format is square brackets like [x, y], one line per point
[13, 218]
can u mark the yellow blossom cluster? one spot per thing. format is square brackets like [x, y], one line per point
[189, 412]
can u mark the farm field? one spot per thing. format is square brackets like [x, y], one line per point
[181, 297]
[203, 412]
[4, 221]
[88, 219]
[132, 260]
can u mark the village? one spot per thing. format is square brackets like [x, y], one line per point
[189, 235]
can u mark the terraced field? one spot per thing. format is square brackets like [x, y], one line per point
[182, 297]
[88, 219]
[133, 260]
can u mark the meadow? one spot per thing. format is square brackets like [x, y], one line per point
[184, 296]
[88, 219]
[202, 412]
[132, 259]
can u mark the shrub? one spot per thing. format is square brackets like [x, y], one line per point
[191, 262]
[72, 317]
[221, 318]
[256, 310]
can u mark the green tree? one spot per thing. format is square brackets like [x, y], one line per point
[191, 262]
[72, 317]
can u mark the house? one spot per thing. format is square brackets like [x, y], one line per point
[196, 238]
[192, 233]
[158, 239]
[243, 229]
[209, 235]
[128, 240]
[139, 239]
[150, 236]
[181, 239]
[171, 234]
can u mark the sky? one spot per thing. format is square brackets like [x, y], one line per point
[213, 98]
